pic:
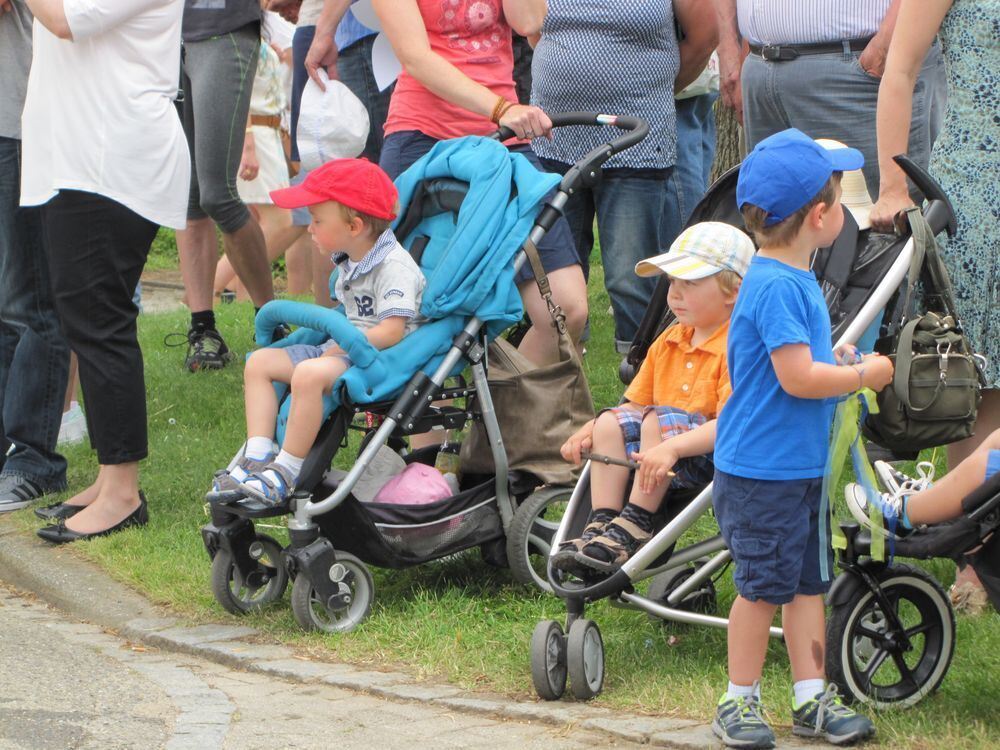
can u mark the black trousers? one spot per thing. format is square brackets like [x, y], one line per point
[96, 250]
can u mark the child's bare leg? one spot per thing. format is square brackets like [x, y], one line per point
[310, 381]
[804, 625]
[650, 437]
[749, 631]
[265, 367]
[607, 482]
[943, 501]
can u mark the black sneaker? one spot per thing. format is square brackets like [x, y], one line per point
[826, 716]
[739, 722]
[206, 349]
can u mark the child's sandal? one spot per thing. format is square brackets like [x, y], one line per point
[565, 558]
[273, 485]
[609, 551]
[225, 488]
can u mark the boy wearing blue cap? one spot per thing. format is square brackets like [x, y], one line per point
[772, 438]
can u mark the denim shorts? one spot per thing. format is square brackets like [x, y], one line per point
[556, 250]
[695, 471]
[299, 353]
[772, 529]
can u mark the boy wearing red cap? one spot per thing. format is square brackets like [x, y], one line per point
[352, 203]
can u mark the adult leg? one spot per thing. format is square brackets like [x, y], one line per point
[220, 71]
[763, 114]
[569, 291]
[96, 250]
[629, 214]
[299, 265]
[34, 358]
[689, 178]
[354, 67]
[322, 269]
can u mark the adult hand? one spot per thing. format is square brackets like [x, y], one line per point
[582, 440]
[731, 58]
[890, 202]
[249, 166]
[287, 9]
[872, 58]
[322, 53]
[527, 122]
[876, 371]
[655, 466]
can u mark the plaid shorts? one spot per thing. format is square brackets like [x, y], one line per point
[695, 471]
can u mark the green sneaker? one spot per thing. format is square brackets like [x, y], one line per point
[826, 716]
[739, 722]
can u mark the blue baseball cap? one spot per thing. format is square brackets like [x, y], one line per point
[786, 170]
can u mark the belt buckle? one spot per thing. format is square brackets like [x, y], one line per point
[777, 53]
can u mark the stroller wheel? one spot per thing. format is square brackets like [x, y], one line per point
[585, 659]
[548, 660]
[239, 594]
[868, 656]
[529, 538]
[357, 591]
[702, 599]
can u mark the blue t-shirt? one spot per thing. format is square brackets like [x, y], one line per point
[764, 433]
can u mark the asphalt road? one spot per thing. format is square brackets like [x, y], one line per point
[65, 684]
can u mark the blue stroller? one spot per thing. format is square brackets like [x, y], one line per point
[468, 208]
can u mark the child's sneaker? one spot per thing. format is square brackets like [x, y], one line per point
[826, 716]
[620, 540]
[226, 487]
[273, 485]
[890, 506]
[739, 722]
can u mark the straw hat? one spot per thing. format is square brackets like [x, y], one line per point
[854, 189]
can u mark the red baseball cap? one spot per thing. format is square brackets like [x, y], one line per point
[355, 183]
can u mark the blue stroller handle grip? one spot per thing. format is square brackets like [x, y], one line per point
[331, 322]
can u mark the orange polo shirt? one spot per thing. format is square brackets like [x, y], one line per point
[692, 378]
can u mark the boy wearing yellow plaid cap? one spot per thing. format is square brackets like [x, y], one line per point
[666, 421]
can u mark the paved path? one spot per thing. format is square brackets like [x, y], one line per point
[70, 685]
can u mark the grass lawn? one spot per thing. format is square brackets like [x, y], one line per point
[461, 620]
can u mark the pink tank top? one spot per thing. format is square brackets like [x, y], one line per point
[472, 35]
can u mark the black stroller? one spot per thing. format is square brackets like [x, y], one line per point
[334, 536]
[860, 276]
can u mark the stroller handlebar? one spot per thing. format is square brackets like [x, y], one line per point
[938, 212]
[586, 171]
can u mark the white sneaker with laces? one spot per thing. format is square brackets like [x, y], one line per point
[889, 505]
[73, 428]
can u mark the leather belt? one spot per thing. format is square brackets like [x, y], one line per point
[267, 121]
[785, 52]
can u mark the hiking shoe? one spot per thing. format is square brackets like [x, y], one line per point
[861, 503]
[206, 349]
[17, 492]
[739, 722]
[826, 716]
[226, 487]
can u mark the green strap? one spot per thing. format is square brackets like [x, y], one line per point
[904, 361]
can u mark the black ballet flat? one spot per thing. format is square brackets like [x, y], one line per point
[58, 533]
[58, 511]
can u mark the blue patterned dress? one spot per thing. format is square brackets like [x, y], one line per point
[966, 161]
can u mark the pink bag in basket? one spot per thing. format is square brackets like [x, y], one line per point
[417, 484]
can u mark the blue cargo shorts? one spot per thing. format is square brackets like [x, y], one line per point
[772, 529]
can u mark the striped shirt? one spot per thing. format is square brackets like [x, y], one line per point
[808, 21]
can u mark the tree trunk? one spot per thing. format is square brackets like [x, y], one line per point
[729, 142]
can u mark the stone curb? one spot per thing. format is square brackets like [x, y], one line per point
[83, 591]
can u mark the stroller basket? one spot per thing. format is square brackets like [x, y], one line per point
[396, 536]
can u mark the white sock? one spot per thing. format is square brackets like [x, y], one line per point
[259, 448]
[290, 462]
[807, 690]
[743, 691]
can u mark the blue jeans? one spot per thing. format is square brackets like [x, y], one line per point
[629, 212]
[689, 180]
[34, 358]
[831, 96]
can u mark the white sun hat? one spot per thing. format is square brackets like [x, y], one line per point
[854, 190]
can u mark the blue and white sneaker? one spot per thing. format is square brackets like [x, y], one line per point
[739, 722]
[273, 485]
[889, 506]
